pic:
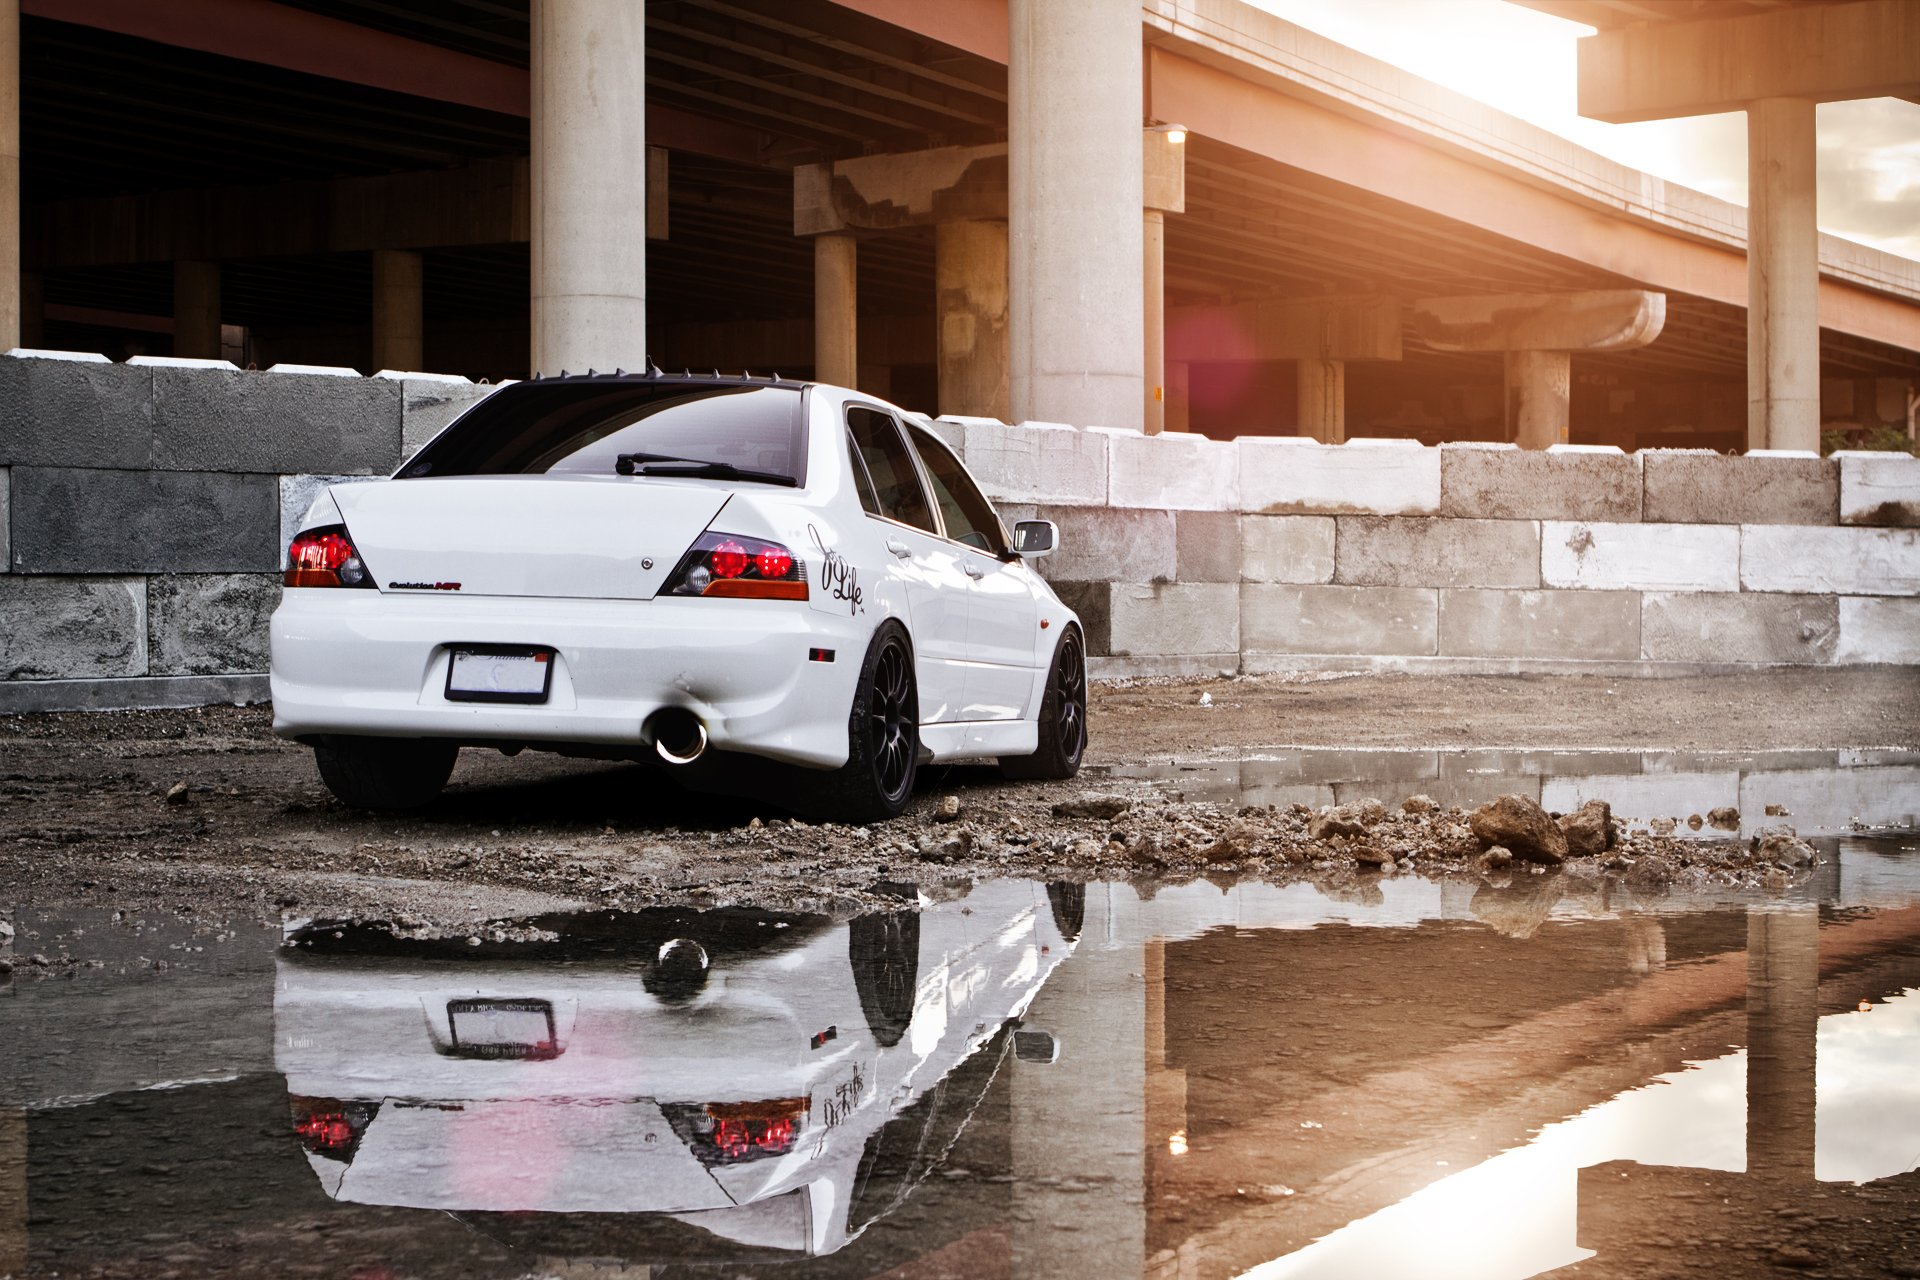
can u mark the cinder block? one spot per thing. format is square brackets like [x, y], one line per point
[1879, 488]
[83, 413]
[1398, 551]
[1847, 561]
[1738, 627]
[1636, 557]
[72, 628]
[1505, 482]
[1286, 548]
[1873, 629]
[77, 520]
[429, 402]
[1093, 602]
[1174, 469]
[1209, 546]
[1540, 624]
[1282, 475]
[1698, 486]
[211, 624]
[1278, 618]
[216, 420]
[1036, 461]
[296, 496]
[1176, 618]
[1106, 544]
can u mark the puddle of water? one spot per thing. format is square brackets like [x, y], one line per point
[998, 1079]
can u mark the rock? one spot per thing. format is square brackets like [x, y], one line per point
[1092, 805]
[1234, 843]
[1779, 811]
[177, 793]
[1517, 911]
[1371, 858]
[947, 810]
[1497, 858]
[1725, 818]
[1695, 821]
[947, 848]
[755, 824]
[1522, 826]
[1782, 845]
[1588, 829]
[1662, 826]
[1337, 820]
[1371, 812]
[1419, 804]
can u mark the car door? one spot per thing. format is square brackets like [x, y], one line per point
[924, 563]
[1004, 618]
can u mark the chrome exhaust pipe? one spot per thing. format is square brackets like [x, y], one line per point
[678, 735]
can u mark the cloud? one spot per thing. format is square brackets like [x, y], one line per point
[1869, 173]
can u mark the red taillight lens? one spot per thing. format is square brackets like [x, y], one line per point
[329, 1127]
[736, 1132]
[741, 568]
[325, 558]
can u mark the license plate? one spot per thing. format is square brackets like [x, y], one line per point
[498, 673]
[502, 1028]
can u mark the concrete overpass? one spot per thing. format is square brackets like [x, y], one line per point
[339, 182]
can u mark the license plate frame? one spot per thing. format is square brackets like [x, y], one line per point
[484, 1013]
[487, 658]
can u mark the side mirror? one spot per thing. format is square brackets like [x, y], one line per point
[1035, 538]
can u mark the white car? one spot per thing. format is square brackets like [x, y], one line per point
[616, 565]
[777, 1081]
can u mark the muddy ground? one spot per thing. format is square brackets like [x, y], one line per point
[86, 818]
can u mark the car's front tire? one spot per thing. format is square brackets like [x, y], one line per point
[385, 773]
[1063, 717]
[883, 737]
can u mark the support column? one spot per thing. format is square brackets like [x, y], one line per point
[970, 306]
[1179, 395]
[1783, 277]
[1322, 394]
[589, 185]
[836, 309]
[1074, 195]
[1783, 1015]
[10, 327]
[196, 310]
[1539, 398]
[398, 340]
[1154, 319]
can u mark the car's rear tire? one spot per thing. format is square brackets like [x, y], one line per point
[883, 737]
[1063, 717]
[385, 773]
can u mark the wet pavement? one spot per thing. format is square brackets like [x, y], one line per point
[1409, 1077]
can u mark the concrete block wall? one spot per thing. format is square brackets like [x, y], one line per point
[145, 509]
[1389, 555]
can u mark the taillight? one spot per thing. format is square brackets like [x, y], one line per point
[331, 1128]
[325, 558]
[728, 565]
[737, 1132]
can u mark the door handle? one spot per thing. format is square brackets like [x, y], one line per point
[899, 548]
[974, 571]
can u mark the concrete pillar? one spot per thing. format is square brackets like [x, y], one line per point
[836, 309]
[1322, 394]
[397, 329]
[10, 330]
[1179, 395]
[589, 185]
[1154, 318]
[970, 305]
[1783, 277]
[1075, 257]
[1539, 398]
[196, 310]
[1783, 1014]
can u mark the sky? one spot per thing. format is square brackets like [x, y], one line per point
[1523, 62]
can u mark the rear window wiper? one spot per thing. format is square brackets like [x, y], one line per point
[650, 464]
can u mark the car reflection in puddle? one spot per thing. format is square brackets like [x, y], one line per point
[662, 1083]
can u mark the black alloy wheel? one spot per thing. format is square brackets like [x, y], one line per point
[883, 740]
[892, 729]
[1063, 717]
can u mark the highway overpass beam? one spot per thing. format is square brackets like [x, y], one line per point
[398, 330]
[1075, 252]
[1783, 278]
[589, 186]
[1536, 332]
[836, 309]
[196, 310]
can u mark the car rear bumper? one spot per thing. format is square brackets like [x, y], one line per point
[375, 663]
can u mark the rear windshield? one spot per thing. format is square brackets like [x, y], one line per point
[534, 428]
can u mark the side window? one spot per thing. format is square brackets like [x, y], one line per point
[869, 500]
[970, 517]
[896, 486]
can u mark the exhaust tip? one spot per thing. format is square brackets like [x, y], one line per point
[678, 736]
